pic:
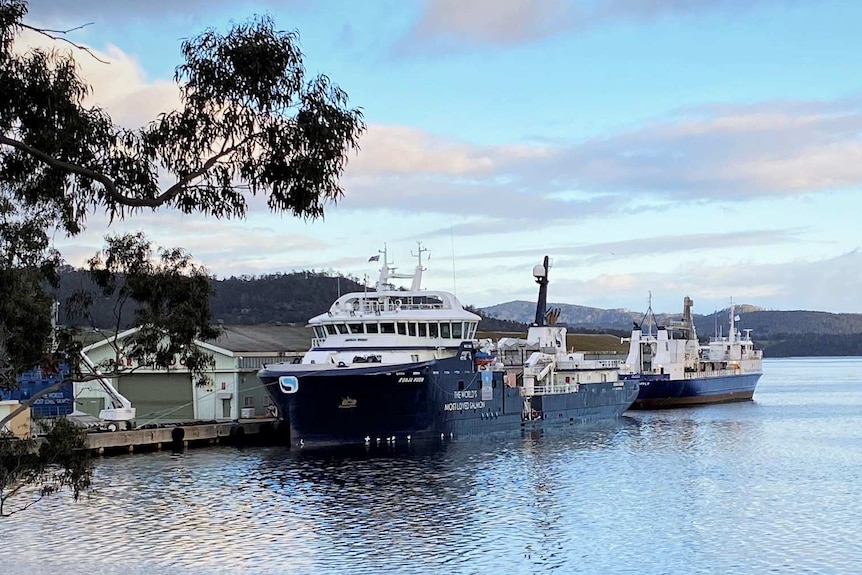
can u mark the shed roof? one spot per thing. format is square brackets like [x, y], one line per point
[264, 338]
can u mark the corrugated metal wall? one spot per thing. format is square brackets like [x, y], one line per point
[159, 397]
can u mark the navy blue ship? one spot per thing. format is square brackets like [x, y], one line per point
[389, 365]
[675, 370]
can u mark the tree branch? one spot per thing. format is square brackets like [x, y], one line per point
[108, 184]
[24, 507]
[50, 34]
[183, 182]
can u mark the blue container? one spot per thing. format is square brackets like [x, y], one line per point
[57, 403]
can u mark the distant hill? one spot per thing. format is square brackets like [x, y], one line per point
[778, 333]
[294, 298]
[291, 298]
[762, 322]
[573, 315]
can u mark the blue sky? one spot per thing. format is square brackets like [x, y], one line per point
[708, 148]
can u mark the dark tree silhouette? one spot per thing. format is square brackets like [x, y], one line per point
[250, 122]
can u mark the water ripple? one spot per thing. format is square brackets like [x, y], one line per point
[770, 486]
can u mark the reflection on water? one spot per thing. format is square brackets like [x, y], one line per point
[770, 485]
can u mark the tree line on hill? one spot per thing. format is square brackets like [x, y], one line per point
[295, 297]
[288, 298]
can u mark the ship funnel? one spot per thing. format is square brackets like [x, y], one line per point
[540, 272]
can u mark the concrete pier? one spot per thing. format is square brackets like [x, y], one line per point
[184, 436]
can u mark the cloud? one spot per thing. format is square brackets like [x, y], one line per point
[811, 284]
[493, 22]
[814, 284]
[120, 87]
[581, 254]
[255, 247]
[709, 154]
[446, 25]
[740, 152]
[395, 150]
[81, 11]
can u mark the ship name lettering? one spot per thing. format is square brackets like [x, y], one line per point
[467, 394]
[417, 379]
[462, 405]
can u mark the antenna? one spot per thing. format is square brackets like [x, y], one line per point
[648, 320]
[417, 275]
[732, 334]
[452, 239]
[715, 319]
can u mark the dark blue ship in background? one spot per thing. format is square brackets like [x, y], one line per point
[675, 370]
[390, 365]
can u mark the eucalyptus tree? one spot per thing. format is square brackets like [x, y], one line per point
[250, 122]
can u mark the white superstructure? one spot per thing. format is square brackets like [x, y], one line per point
[390, 325]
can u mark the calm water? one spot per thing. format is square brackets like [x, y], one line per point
[770, 486]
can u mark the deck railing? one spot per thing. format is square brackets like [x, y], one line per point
[714, 373]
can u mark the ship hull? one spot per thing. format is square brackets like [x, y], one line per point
[447, 397]
[658, 392]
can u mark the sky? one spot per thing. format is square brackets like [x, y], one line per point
[702, 148]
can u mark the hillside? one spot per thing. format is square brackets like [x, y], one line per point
[247, 300]
[573, 315]
[778, 333]
[295, 297]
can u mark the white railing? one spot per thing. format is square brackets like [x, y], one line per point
[715, 373]
[555, 389]
[374, 307]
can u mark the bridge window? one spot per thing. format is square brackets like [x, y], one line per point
[456, 329]
[330, 329]
[402, 328]
[387, 327]
[355, 328]
[411, 329]
[445, 330]
[342, 327]
[472, 334]
[423, 330]
[371, 327]
[433, 330]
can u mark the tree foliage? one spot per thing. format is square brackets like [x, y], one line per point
[31, 470]
[170, 296]
[250, 122]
